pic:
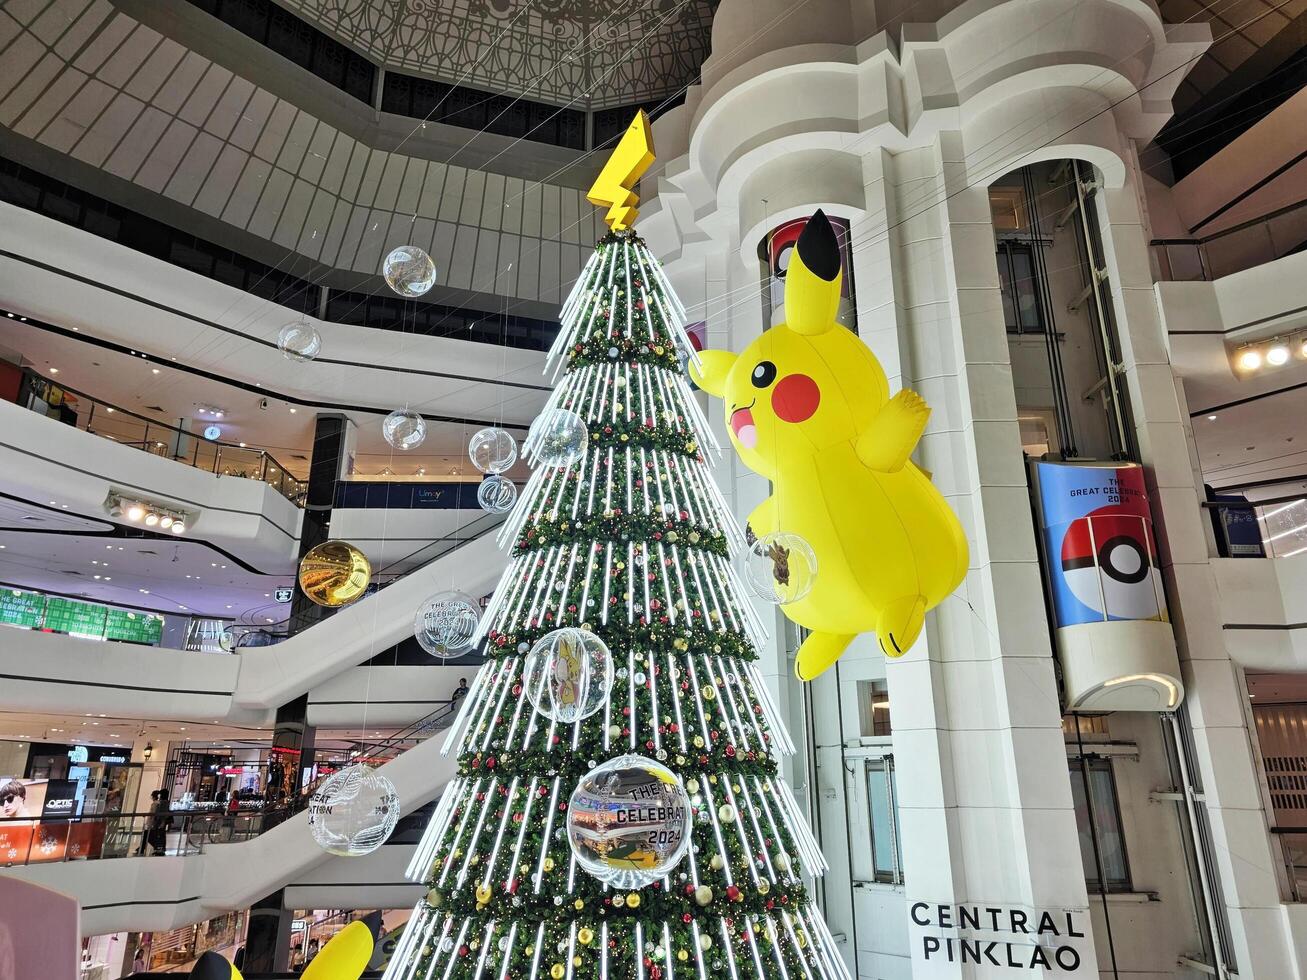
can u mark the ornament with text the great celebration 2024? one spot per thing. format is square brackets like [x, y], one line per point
[808, 406]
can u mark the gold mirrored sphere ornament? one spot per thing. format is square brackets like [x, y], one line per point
[334, 574]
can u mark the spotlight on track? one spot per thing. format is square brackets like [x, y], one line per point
[137, 511]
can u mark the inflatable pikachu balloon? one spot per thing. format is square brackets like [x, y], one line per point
[808, 407]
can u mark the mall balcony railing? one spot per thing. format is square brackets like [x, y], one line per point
[44, 840]
[1270, 527]
[1255, 242]
[127, 428]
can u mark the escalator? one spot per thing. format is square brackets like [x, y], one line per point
[54, 673]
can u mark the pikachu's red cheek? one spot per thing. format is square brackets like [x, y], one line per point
[795, 398]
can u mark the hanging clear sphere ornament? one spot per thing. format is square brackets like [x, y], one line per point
[445, 624]
[404, 429]
[353, 811]
[558, 437]
[780, 567]
[568, 674]
[492, 450]
[409, 271]
[299, 341]
[628, 821]
[497, 494]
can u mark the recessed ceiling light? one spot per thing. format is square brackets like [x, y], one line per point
[1211, 418]
[54, 370]
[293, 411]
[1250, 360]
[154, 370]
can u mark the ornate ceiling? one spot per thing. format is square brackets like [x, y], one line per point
[590, 53]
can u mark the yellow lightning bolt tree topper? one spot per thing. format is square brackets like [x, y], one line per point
[613, 188]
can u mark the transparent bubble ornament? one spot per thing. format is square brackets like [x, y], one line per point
[568, 675]
[558, 437]
[409, 271]
[299, 341]
[492, 450]
[780, 567]
[353, 811]
[628, 821]
[497, 494]
[404, 429]
[445, 624]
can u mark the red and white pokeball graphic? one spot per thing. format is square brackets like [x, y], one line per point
[1109, 563]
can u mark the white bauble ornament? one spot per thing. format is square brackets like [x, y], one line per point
[353, 811]
[445, 624]
[558, 437]
[492, 450]
[299, 340]
[628, 822]
[497, 494]
[568, 674]
[780, 567]
[404, 429]
[409, 271]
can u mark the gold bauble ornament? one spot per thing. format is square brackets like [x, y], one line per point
[682, 955]
[619, 901]
[705, 941]
[703, 895]
[549, 864]
[576, 961]
[716, 863]
[709, 693]
[633, 900]
[557, 971]
[579, 904]
[483, 894]
[435, 898]
[692, 785]
[585, 935]
[334, 574]
[764, 886]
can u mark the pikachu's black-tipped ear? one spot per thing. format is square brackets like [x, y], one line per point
[812, 282]
[211, 966]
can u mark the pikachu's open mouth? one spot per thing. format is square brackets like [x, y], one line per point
[746, 433]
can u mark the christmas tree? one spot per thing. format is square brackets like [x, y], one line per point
[629, 541]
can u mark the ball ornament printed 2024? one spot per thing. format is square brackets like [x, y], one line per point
[780, 567]
[445, 624]
[492, 450]
[404, 430]
[353, 811]
[299, 340]
[497, 494]
[334, 574]
[409, 271]
[568, 675]
[628, 822]
[558, 437]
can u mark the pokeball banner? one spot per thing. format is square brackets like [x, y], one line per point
[1099, 543]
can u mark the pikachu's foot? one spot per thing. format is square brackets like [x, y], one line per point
[818, 652]
[899, 624]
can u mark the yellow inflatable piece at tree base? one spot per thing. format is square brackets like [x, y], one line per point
[345, 957]
[808, 407]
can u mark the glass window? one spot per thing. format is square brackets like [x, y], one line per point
[882, 803]
[873, 708]
[1022, 312]
[1093, 788]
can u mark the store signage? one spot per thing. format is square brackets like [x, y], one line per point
[78, 754]
[284, 595]
[60, 799]
[113, 759]
[1001, 936]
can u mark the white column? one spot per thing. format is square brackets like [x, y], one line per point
[984, 793]
[1246, 860]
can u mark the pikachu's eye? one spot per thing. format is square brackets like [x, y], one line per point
[763, 375]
